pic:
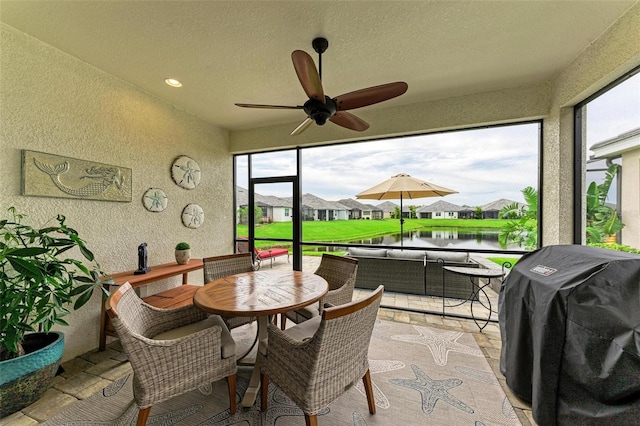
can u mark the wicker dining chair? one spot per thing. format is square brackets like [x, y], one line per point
[340, 273]
[317, 361]
[171, 351]
[222, 266]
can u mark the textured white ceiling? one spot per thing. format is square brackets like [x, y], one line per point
[240, 51]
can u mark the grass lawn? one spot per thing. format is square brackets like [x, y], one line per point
[348, 230]
[501, 260]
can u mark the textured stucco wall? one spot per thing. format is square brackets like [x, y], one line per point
[52, 102]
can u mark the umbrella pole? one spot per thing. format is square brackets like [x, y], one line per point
[401, 223]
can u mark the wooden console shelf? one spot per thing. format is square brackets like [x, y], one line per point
[172, 298]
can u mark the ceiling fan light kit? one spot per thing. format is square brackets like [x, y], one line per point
[321, 108]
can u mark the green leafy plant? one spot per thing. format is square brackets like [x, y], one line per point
[522, 231]
[183, 246]
[38, 282]
[413, 210]
[602, 220]
[243, 214]
[395, 214]
[477, 213]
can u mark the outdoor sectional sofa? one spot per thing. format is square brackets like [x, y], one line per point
[413, 272]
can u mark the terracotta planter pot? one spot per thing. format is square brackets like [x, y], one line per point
[183, 256]
[23, 380]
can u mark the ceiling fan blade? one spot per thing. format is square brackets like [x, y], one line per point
[370, 95]
[350, 121]
[308, 75]
[302, 127]
[270, 106]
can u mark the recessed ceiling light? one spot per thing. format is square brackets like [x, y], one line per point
[173, 82]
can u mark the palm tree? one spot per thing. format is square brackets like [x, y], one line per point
[522, 231]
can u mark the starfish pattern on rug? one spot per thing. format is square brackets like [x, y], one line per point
[206, 389]
[507, 409]
[432, 390]
[509, 413]
[379, 366]
[439, 343]
[479, 375]
[358, 419]
[116, 386]
[470, 384]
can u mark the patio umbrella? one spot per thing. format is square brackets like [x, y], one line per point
[403, 186]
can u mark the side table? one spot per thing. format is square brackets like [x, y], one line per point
[157, 273]
[477, 273]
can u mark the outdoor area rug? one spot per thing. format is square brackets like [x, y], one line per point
[421, 376]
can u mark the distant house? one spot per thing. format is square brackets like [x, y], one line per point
[359, 210]
[406, 211]
[277, 209]
[492, 210]
[627, 147]
[316, 208]
[467, 212]
[439, 210]
[372, 212]
[274, 209]
[387, 209]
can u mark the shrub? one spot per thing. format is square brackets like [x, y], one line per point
[618, 247]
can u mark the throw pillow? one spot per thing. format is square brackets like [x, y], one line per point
[355, 251]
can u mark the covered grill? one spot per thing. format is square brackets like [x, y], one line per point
[570, 325]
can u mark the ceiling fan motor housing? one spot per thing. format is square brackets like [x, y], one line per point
[320, 108]
[320, 112]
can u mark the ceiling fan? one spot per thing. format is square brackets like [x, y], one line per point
[320, 107]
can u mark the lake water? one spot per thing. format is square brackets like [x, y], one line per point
[460, 238]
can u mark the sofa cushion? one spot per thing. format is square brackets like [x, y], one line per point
[355, 251]
[406, 254]
[448, 256]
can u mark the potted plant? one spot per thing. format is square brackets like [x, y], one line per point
[183, 253]
[39, 282]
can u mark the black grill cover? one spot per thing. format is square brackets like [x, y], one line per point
[570, 324]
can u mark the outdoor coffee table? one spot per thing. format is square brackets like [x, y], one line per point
[261, 294]
[474, 296]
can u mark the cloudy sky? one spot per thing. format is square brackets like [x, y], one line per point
[615, 112]
[483, 165]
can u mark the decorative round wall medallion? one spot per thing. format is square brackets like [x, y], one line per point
[192, 216]
[185, 172]
[154, 200]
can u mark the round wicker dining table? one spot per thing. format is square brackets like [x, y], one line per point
[261, 294]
